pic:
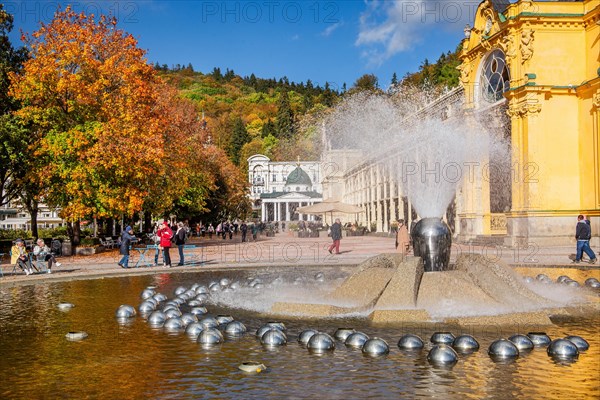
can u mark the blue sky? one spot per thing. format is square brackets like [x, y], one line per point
[333, 41]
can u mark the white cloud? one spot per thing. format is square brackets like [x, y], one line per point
[387, 28]
[331, 28]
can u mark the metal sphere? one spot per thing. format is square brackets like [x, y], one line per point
[235, 328]
[194, 329]
[252, 367]
[410, 342]
[522, 342]
[188, 318]
[157, 318]
[562, 348]
[224, 319]
[528, 279]
[194, 303]
[160, 297]
[65, 306]
[277, 325]
[178, 301]
[173, 313]
[147, 293]
[539, 339]
[442, 338]
[442, 354]
[543, 278]
[273, 337]
[201, 290]
[258, 286]
[579, 342]
[194, 286]
[320, 277]
[305, 336]
[465, 343]
[320, 342]
[573, 283]
[342, 334]
[179, 290]
[224, 282]
[592, 282]
[202, 297]
[210, 336]
[125, 311]
[190, 293]
[170, 307]
[174, 324]
[562, 279]
[376, 346]
[356, 340]
[198, 310]
[261, 331]
[209, 322]
[235, 285]
[215, 287]
[146, 307]
[503, 348]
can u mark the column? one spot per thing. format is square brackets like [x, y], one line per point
[263, 211]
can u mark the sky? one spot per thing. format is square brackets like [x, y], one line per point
[324, 41]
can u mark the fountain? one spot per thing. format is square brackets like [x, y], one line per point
[432, 241]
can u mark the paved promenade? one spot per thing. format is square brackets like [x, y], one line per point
[281, 250]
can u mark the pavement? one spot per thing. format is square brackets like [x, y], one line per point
[282, 250]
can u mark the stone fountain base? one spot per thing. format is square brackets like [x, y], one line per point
[392, 289]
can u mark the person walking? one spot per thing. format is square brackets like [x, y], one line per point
[402, 238]
[583, 234]
[165, 234]
[180, 241]
[126, 238]
[336, 236]
[244, 230]
[44, 254]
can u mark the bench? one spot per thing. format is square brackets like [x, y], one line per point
[191, 255]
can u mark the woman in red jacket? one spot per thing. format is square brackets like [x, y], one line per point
[165, 234]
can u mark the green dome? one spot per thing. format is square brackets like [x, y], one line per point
[298, 177]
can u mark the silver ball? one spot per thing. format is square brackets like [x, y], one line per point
[188, 318]
[258, 286]
[235, 285]
[261, 331]
[178, 301]
[277, 325]
[180, 290]
[543, 278]
[465, 343]
[147, 293]
[442, 354]
[320, 277]
[170, 307]
[65, 306]
[539, 339]
[376, 346]
[562, 348]
[592, 283]
[125, 311]
[202, 297]
[160, 297]
[209, 322]
[342, 333]
[194, 303]
[157, 318]
[224, 319]
[579, 342]
[305, 336]
[235, 328]
[210, 336]
[442, 338]
[76, 336]
[201, 290]
[321, 342]
[273, 337]
[173, 313]
[190, 293]
[146, 307]
[503, 348]
[528, 279]
[195, 286]
[562, 279]
[198, 310]
[194, 329]
[174, 324]
[356, 340]
[522, 342]
[214, 287]
[410, 342]
[573, 283]
[224, 282]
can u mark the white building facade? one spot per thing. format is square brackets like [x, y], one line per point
[277, 189]
[13, 216]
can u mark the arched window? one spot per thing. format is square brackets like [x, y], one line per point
[495, 77]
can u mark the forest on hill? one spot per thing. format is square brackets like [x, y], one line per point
[278, 118]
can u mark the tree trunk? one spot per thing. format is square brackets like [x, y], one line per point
[76, 233]
[33, 208]
[148, 221]
[95, 227]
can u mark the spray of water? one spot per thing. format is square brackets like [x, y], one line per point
[427, 155]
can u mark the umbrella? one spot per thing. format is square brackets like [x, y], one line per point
[330, 206]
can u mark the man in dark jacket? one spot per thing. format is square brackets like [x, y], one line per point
[126, 238]
[336, 236]
[583, 234]
[244, 230]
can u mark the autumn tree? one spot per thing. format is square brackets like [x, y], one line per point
[90, 95]
[284, 125]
